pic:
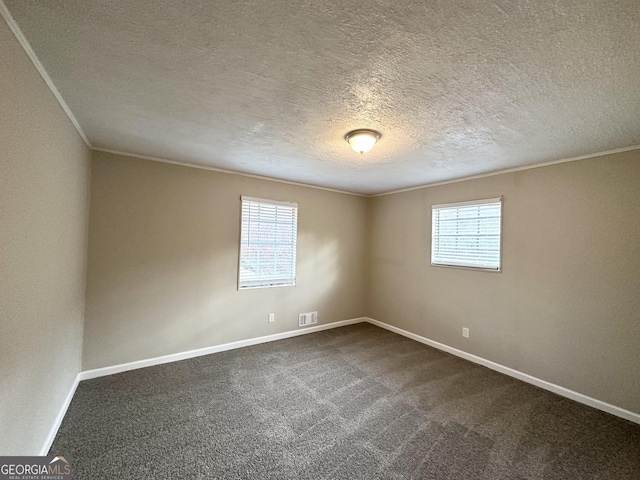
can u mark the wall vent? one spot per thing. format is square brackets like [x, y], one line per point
[305, 319]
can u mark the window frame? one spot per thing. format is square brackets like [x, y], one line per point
[244, 198]
[482, 201]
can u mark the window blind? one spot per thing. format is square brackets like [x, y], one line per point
[268, 240]
[467, 234]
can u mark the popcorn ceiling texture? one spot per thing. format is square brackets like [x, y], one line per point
[457, 88]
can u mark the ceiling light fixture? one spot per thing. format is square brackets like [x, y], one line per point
[362, 140]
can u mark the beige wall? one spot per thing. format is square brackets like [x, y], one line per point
[43, 205]
[163, 260]
[163, 253]
[566, 307]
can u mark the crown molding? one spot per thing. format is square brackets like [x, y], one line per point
[511, 170]
[222, 170]
[15, 29]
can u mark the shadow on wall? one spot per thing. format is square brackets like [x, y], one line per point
[177, 297]
[162, 262]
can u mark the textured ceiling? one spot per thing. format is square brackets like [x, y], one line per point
[456, 87]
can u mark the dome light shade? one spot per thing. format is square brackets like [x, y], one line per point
[362, 140]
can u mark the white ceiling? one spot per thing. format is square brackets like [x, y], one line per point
[456, 87]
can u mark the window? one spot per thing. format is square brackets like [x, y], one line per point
[467, 234]
[269, 231]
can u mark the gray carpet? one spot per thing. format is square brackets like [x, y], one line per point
[356, 402]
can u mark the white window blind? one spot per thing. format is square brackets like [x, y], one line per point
[268, 239]
[467, 234]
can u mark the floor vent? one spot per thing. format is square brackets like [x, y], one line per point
[305, 319]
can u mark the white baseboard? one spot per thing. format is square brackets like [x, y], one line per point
[562, 391]
[101, 372]
[565, 392]
[174, 357]
[63, 411]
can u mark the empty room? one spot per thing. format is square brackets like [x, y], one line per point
[320, 240]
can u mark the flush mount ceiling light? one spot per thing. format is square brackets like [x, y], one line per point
[362, 140]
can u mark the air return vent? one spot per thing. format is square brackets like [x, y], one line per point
[305, 319]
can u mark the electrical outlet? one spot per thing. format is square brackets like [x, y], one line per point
[465, 332]
[272, 317]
